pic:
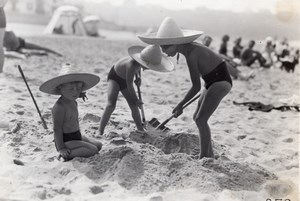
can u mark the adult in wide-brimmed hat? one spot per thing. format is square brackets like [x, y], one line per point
[201, 61]
[69, 141]
[121, 78]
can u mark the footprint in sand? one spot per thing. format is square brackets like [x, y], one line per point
[20, 112]
[278, 188]
[96, 189]
[91, 117]
[16, 90]
[156, 198]
[18, 106]
[288, 140]
[63, 191]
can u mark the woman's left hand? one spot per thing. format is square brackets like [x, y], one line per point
[177, 110]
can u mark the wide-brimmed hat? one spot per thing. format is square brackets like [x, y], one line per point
[169, 33]
[66, 75]
[151, 57]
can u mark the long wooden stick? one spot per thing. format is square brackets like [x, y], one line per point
[37, 108]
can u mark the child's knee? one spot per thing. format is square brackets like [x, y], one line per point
[111, 105]
[99, 146]
[200, 120]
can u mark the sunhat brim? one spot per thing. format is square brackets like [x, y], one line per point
[165, 66]
[188, 36]
[50, 86]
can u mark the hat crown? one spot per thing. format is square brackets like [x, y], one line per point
[169, 29]
[67, 68]
[151, 54]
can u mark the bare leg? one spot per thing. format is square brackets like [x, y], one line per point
[112, 95]
[209, 104]
[199, 104]
[80, 148]
[92, 141]
[37, 47]
[135, 113]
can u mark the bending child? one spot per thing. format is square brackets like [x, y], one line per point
[68, 139]
[121, 76]
[201, 62]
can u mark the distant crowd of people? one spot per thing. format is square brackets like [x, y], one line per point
[273, 54]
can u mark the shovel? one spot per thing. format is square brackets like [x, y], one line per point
[157, 125]
[140, 96]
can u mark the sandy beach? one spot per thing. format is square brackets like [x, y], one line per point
[259, 151]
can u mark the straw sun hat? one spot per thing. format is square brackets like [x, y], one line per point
[169, 33]
[66, 75]
[151, 57]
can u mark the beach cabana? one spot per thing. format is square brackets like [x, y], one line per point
[91, 23]
[66, 20]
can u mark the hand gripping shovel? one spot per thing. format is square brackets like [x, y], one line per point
[37, 108]
[140, 96]
[155, 123]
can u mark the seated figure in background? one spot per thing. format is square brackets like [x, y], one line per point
[249, 56]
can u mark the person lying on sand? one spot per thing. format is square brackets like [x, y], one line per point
[120, 79]
[201, 62]
[70, 84]
[231, 65]
[12, 43]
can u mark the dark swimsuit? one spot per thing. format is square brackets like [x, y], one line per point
[220, 73]
[71, 136]
[112, 75]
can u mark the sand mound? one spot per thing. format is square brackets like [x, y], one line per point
[145, 169]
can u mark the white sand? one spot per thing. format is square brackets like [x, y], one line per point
[261, 149]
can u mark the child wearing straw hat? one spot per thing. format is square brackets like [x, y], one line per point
[70, 84]
[121, 76]
[202, 62]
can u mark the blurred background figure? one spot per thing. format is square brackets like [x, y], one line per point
[2, 32]
[13, 43]
[269, 51]
[207, 40]
[234, 72]
[91, 23]
[237, 48]
[249, 56]
[66, 20]
[223, 46]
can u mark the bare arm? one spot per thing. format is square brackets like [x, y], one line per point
[129, 79]
[196, 84]
[58, 115]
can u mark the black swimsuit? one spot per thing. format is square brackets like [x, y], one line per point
[70, 136]
[220, 73]
[112, 75]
